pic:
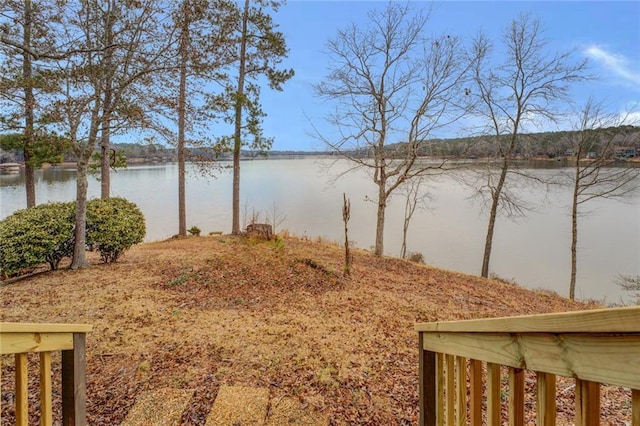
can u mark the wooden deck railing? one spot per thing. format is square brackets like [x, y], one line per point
[593, 347]
[19, 339]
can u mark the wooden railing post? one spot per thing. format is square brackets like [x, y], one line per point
[427, 385]
[74, 382]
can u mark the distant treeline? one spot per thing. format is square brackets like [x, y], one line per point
[533, 145]
[140, 153]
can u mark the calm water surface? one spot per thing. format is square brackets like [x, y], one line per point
[533, 251]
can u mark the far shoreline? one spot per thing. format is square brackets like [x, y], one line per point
[137, 161]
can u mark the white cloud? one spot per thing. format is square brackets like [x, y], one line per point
[632, 118]
[617, 64]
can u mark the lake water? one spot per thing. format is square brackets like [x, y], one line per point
[533, 251]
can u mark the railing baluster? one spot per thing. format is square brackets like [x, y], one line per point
[461, 391]
[450, 389]
[494, 411]
[476, 392]
[22, 390]
[440, 388]
[516, 397]
[635, 407]
[546, 399]
[587, 403]
[46, 413]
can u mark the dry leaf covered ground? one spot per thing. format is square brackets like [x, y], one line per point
[199, 312]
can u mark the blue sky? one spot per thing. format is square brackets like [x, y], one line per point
[606, 33]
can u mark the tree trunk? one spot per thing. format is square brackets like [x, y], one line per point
[403, 249]
[79, 253]
[495, 197]
[105, 148]
[574, 230]
[182, 98]
[574, 247]
[486, 258]
[237, 136]
[29, 105]
[411, 202]
[382, 205]
[408, 212]
[105, 132]
[346, 214]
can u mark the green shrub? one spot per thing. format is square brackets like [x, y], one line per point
[31, 237]
[194, 230]
[45, 233]
[113, 226]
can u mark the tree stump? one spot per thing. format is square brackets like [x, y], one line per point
[262, 230]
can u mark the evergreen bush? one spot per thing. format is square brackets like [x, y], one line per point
[31, 237]
[113, 226]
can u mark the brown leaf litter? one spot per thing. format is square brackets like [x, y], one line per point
[202, 312]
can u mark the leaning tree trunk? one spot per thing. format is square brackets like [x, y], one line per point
[493, 214]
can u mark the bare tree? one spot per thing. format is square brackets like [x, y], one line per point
[527, 88]
[593, 173]
[630, 283]
[275, 217]
[414, 197]
[392, 87]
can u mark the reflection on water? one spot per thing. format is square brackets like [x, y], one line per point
[450, 233]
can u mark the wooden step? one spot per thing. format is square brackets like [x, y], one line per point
[161, 407]
[239, 406]
[289, 411]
